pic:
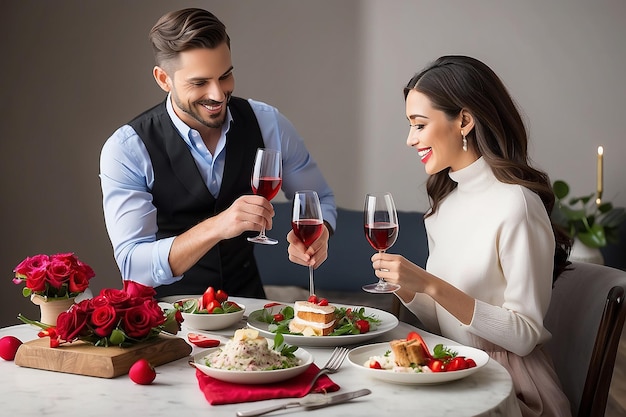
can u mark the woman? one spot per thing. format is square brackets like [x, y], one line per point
[493, 251]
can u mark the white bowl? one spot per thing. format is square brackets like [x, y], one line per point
[213, 321]
[255, 377]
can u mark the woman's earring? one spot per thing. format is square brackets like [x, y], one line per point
[464, 142]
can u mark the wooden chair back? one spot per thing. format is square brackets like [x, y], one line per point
[586, 319]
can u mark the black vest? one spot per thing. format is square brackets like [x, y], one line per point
[182, 199]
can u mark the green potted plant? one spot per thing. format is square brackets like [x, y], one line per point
[595, 225]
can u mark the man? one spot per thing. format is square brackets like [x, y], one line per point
[175, 180]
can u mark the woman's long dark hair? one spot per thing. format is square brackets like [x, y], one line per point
[453, 83]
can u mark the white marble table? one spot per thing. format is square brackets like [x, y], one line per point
[34, 392]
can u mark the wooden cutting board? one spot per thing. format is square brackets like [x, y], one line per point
[105, 362]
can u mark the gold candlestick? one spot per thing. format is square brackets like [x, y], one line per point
[600, 174]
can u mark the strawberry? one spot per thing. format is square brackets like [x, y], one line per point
[221, 296]
[322, 302]
[8, 347]
[142, 372]
[312, 299]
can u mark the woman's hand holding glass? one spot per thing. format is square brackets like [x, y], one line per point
[380, 223]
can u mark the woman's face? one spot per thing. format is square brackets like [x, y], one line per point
[436, 138]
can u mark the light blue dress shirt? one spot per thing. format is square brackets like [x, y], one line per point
[127, 178]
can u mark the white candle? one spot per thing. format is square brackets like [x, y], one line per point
[600, 174]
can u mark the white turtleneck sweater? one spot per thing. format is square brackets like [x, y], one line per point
[494, 241]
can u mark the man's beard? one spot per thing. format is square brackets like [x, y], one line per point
[214, 122]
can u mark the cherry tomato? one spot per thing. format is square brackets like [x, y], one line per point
[456, 364]
[278, 317]
[312, 299]
[436, 365]
[221, 296]
[362, 325]
[375, 365]
[202, 341]
[270, 305]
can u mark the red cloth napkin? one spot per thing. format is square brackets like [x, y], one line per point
[219, 392]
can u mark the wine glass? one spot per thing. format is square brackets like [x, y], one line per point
[380, 222]
[307, 222]
[266, 181]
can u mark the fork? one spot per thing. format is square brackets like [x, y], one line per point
[332, 366]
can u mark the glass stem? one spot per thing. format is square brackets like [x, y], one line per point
[311, 286]
[381, 282]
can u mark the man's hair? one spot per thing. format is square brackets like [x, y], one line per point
[181, 30]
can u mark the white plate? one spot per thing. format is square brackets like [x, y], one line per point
[255, 377]
[388, 322]
[358, 356]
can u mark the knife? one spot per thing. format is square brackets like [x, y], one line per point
[311, 403]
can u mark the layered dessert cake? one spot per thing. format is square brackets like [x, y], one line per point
[408, 352]
[312, 319]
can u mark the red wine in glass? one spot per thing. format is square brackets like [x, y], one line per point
[267, 187]
[267, 175]
[307, 222]
[381, 235]
[380, 223]
[307, 230]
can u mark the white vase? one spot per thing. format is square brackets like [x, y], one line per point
[50, 308]
[583, 253]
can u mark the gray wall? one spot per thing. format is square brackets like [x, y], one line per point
[73, 71]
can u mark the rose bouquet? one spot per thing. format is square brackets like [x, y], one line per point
[112, 318]
[61, 275]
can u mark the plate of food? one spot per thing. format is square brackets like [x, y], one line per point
[211, 311]
[410, 362]
[316, 323]
[249, 358]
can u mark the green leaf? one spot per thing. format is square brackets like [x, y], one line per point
[279, 339]
[594, 238]
[441, 352]
[561, 189]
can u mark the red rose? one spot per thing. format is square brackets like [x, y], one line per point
[157, 316]
[31, 263]
[37, 280]
[59, 270]
[104, 319]
[78, 282]
[71, 324]
[85, 270]
[138, 322]
[34, 270]
[136, 289]
[115, 297]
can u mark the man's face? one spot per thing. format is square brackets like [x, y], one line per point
[201, 84]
